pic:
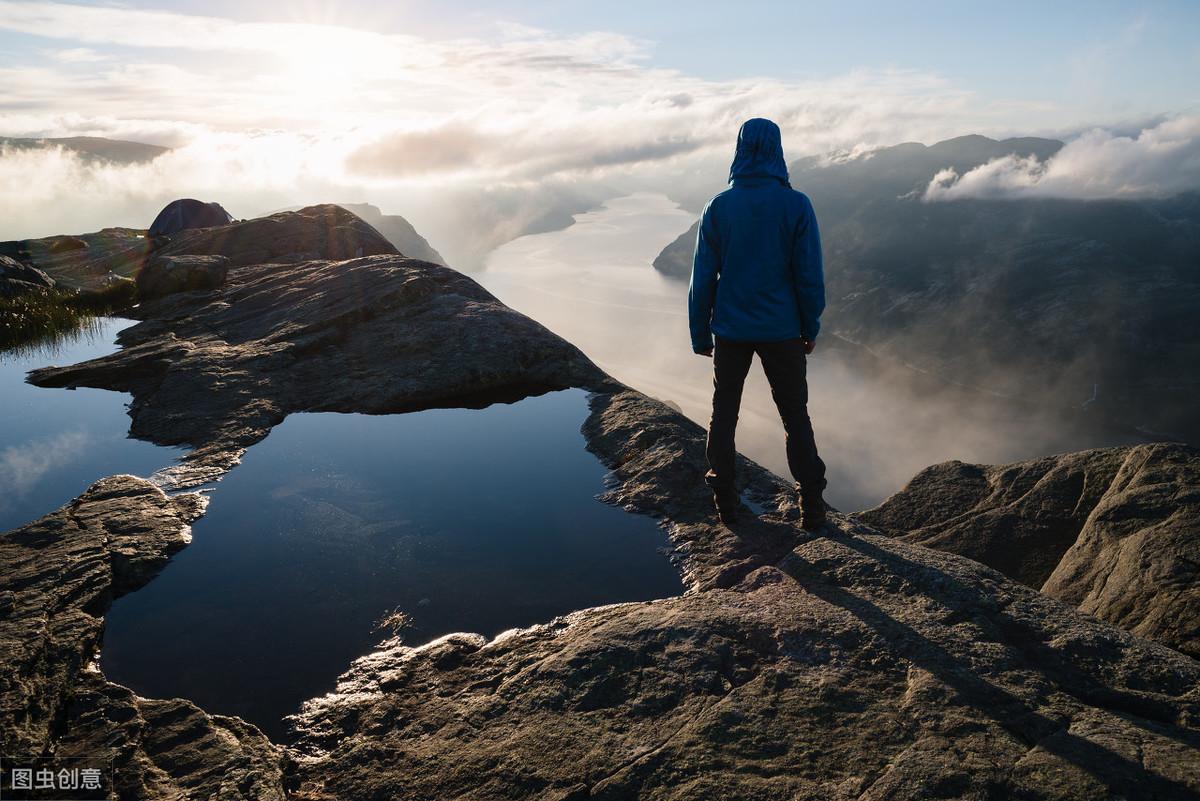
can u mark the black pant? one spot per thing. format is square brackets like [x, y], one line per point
[785, 365]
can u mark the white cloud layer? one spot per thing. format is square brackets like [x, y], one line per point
[1160, 161]
[472, 139]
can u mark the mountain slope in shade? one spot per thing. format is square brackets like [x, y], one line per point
[96, 147]
[398, 231]
[1067, 302]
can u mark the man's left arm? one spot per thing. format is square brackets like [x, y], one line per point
[808, 271]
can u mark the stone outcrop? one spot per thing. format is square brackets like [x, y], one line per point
[20, 279]
[376, 334]
[315, 232]
[119, 251]
[1113, 531]
[61, 573]
[166, 275]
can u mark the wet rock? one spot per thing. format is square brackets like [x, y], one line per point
[166, 275]
[1112, 531]
[849, 665]
[169, 748]
[61, 573]
[376, 334]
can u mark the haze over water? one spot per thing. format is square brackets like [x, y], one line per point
[876, 424]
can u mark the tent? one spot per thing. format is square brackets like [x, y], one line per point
[180, 215]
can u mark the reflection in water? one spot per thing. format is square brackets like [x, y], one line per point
[55, 442]
[877, 424]
[462, 519]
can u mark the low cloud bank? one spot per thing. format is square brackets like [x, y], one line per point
[1158, 162]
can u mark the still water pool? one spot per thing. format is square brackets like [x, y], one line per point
[54, 442]
[464, 519]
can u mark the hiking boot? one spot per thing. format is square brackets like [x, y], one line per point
[725, 498]
[812, 509]
[727, 504]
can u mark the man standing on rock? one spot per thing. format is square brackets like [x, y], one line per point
[758, 286]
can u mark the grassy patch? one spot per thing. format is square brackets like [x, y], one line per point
[36, 318]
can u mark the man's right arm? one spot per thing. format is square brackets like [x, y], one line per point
[808, 272]
[702, 291]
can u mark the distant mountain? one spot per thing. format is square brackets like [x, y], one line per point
[116, 150]
[1075, 303]
[398, 231]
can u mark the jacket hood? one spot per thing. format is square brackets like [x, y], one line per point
[759, 152]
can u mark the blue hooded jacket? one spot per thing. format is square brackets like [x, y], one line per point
[757, 274]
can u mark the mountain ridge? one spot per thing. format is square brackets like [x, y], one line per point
[1016, 297]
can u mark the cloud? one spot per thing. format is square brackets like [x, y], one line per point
[450, 147]
[23, 466]
[77, 55]
[1159, 161]
[474, 140]
[489, 131]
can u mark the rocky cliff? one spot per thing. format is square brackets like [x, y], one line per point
[1111, 531]
[399, 232]
[842, 665]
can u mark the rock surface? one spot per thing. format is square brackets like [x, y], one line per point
[166, 275]
[61, 574]
[376, 334]
[849, 665]
[797, 666]
[315, 232]
[19, 279]
[1113, 531]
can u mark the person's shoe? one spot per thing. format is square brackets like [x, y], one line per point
[725, 498]
[727, 504]
[812, 509]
